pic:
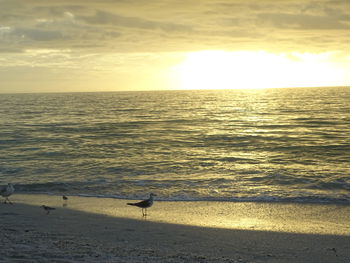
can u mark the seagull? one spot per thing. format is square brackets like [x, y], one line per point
[47, 208]
[65, 198]
[144, 204]
[6, 192]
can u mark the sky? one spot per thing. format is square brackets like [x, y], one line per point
[115, 45]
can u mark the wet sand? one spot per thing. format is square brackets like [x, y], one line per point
[85, 229]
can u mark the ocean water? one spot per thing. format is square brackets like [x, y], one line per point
[232, 145]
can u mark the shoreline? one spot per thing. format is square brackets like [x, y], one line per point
[223, 200]
[86, 229]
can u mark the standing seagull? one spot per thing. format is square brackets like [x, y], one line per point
[144, 204]
[6, 192]
[47, 209]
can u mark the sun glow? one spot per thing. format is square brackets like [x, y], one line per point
[256, 69]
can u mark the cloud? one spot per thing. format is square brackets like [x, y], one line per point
[99, 41]
[10, 50]
[304, 22]
[37, 34]
[167, 25]
[102, 18]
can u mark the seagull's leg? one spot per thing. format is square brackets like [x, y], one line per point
[145, 211]
[8, 200]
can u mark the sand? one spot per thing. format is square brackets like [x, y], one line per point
[86, 229]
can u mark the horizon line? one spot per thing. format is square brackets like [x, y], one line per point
[167, 90]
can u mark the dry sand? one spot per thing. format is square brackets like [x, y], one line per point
[107, 230]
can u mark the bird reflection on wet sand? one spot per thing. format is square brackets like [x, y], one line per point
[65, 201]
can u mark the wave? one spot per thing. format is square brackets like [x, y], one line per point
[224, 146]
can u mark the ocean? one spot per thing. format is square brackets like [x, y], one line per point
[274, 145]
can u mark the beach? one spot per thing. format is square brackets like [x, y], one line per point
[90, 229]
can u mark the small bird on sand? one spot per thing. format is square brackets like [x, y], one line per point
[47, 208]
[65, 198]
[6, 191]
[144, 204]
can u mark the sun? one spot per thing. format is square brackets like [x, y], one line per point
[255, 70]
